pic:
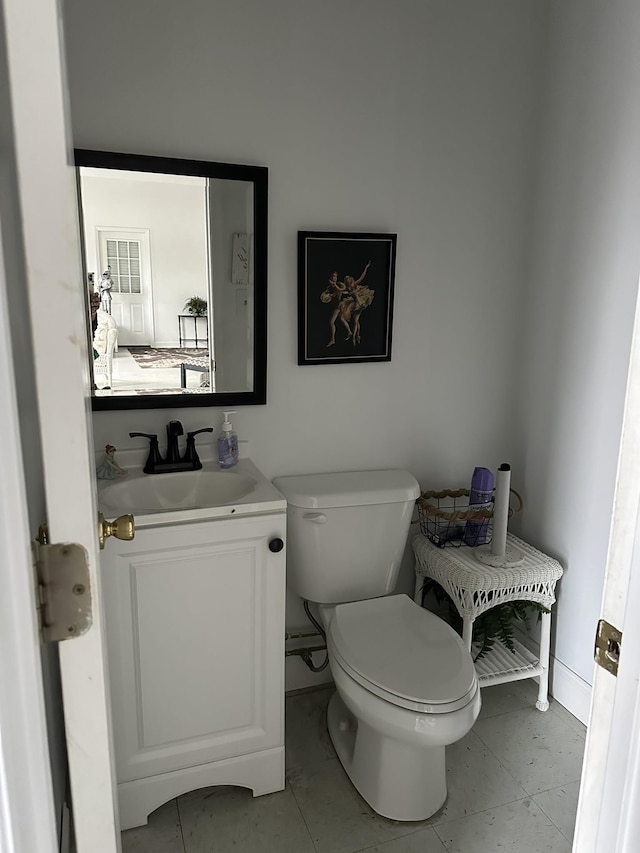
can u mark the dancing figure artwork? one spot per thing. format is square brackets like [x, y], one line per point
[350, 298]
[345, 296]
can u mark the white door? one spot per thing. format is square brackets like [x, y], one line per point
[47, 195]
[127, 255]
[25, 779]
[608, 819]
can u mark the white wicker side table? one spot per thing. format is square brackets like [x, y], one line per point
[475, 587]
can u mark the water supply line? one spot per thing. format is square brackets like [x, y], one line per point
[299, 635]
[306, 654]
[303, 652]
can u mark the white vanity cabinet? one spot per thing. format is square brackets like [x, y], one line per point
[195, 628]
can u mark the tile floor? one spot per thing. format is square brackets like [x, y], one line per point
[513, 786]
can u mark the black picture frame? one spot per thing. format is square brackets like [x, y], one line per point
[345, 296]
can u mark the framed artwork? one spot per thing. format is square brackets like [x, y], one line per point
[345, 296]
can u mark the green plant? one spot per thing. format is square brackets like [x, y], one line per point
[494, 624]
[196, 305]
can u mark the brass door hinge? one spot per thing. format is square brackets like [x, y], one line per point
[607, 647]
[63, 594]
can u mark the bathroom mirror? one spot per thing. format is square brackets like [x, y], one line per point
[175, 270]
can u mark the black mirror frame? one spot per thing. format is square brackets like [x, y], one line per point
[258, 175]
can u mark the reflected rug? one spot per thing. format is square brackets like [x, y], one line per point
[153, 392]
[167, 356]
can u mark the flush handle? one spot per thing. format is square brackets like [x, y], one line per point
[316, 517]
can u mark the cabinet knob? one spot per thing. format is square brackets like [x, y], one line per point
[276, 545]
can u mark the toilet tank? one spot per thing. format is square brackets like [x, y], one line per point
[346, 532]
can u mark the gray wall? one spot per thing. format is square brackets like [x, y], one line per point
[580, 302]
[501, 159]
[417, 117]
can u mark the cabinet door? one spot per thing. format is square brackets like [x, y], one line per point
[195, 638]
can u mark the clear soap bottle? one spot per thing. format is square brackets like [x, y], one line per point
[227, 443]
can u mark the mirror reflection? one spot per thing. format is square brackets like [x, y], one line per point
[175, 275]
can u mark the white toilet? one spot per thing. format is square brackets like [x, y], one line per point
[406, 684]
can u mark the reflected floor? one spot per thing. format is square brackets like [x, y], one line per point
[513, 786]
[129, 377]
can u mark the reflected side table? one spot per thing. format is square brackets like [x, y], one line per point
[475, 587]
[184, 335]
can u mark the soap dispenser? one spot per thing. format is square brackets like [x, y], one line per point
[227, 443]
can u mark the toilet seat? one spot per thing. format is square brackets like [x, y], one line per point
[403, 653]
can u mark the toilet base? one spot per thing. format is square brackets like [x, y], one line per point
[399, 780]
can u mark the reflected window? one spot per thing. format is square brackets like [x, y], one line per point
[123, 259]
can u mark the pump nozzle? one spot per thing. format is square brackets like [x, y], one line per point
[226, 424]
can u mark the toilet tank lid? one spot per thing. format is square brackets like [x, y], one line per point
[348, 488]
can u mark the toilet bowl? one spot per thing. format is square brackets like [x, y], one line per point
[406, 688]
[406, 683]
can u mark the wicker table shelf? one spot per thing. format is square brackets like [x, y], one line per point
[475, 587]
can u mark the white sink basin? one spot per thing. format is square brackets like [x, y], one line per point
[188, 495]
[182, 490]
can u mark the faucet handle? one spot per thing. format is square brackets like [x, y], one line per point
[154, 457]
[191, 454]
[197, 431]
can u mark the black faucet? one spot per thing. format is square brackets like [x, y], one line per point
[155, 464]
[174, 429]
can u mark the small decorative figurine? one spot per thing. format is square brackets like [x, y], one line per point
[109, 469]
[104, 288]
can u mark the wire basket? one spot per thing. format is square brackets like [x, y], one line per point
[446, 520]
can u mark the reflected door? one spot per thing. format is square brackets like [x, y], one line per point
[128, 256]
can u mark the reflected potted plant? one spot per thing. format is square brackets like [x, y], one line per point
[196, 305]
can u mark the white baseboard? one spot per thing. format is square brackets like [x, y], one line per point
[571, 691]
[567, 688]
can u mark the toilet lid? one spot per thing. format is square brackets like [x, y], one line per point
[403, 653]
